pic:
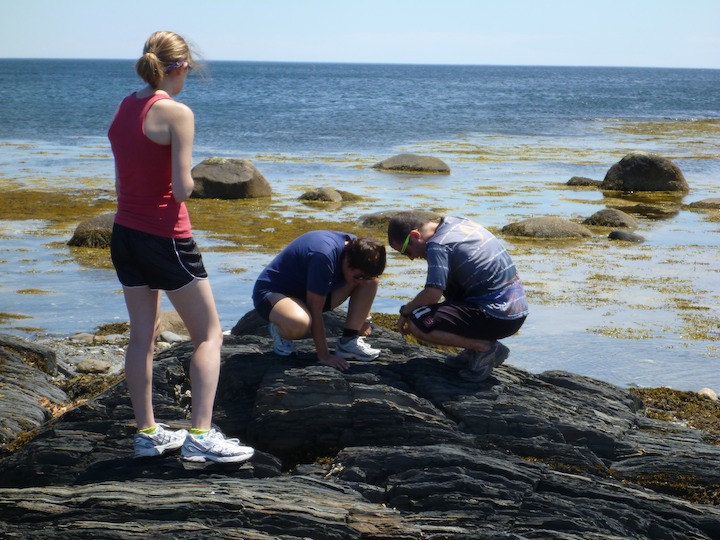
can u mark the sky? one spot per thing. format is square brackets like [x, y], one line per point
[637, 33]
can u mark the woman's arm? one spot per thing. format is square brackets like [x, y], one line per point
[182, 134]
[315, 304]
[173, 123]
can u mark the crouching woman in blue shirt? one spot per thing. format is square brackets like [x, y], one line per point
[318, 272]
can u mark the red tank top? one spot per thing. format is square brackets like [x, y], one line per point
[144, 172]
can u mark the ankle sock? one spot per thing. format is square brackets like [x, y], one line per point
[199, 433]
[348, 334]
[148, 431]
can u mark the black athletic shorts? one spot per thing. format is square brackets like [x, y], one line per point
[464, 320]
[147, 260]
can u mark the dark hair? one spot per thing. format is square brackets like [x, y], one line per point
[402, 223]
[365, 254]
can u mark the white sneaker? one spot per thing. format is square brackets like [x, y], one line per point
[356, 349]
[282, 346]
[158, 443]
[215, 447]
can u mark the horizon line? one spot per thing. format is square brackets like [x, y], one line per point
[359, 62]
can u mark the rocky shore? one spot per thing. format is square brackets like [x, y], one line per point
[397, 448]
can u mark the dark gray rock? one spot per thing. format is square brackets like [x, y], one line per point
[626, 236]
[224, 178]
[398, 448]
[413, 163]
[33, 354]
[322, 195]
[612, 217]
[327, 194]
[546, 227]
[94, 232]
[581, 181]
[640, 171]
[26, 391]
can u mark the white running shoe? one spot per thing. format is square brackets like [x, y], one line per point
[281, 346]
[158, 443]
[357, 349]
[215, 447]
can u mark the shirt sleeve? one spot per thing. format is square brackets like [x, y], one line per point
[320, 273]
[438, 258]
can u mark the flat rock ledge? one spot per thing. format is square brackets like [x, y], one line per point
[399, 448]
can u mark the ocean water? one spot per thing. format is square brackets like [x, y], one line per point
[644, 315]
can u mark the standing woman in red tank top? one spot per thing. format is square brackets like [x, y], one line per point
[153, 250]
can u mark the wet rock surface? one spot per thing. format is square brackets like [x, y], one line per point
[642, 171]
[546, 227]
[397, 448]
[229, 178]
[413, 163]
[94, 232]
[611, 217]
[626, 236]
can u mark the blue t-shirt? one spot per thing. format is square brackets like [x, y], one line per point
[469, 264]
[311, 262]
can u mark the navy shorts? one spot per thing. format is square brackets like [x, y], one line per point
[263, 306]
[147, 260]
[464, 320]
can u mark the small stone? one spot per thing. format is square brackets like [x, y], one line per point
[83, 337]
[92, 365]
[172, 337]
[110, 338]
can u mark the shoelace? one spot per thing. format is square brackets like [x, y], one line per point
[162, 435]
[218, 440]
[363, 346]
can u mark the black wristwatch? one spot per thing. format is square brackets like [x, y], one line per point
[401, 310]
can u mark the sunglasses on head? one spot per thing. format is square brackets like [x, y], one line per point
[405, 244]
[178, 65]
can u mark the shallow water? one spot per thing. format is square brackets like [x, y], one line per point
[631, 314]
[619, 312]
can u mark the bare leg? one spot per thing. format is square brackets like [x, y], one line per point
[196, 306]
[290, 315]
[362, 297]
[143, 307]
[445, 338]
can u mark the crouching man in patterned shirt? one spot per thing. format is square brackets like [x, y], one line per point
[483, 299]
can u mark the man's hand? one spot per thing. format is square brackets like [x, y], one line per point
[402, 325]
